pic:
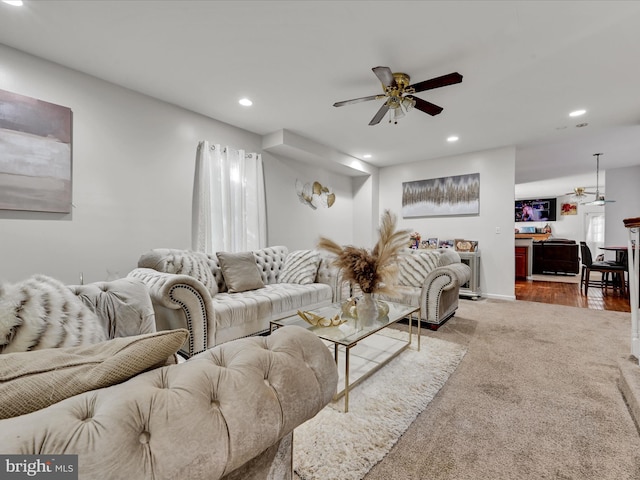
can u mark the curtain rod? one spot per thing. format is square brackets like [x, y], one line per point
[247, 155]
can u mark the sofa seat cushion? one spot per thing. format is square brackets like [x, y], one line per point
[406, 295]
[271, 302]
[30, 381]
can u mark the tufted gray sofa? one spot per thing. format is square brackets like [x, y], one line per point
[227, 413]
[214, 315]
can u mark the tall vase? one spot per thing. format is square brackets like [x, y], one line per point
[367, 309]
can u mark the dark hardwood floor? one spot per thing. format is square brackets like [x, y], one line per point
[570, 294]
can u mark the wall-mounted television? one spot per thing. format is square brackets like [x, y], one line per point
[536, 210]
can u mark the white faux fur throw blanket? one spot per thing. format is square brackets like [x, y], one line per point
[41, 312]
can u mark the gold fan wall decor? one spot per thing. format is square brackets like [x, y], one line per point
[315, 195]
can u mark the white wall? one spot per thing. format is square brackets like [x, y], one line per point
[133, 166]
[623, 186]
[497, 172]
[296, 225]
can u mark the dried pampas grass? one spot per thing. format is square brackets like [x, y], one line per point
[375, 271]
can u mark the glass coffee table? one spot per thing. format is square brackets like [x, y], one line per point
[363, 349]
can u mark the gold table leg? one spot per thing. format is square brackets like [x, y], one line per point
[346, 379]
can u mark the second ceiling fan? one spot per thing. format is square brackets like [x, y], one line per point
[399, 94]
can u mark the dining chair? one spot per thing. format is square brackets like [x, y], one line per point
[617, 280]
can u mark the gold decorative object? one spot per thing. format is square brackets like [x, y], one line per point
[320, 321]
[315, 194]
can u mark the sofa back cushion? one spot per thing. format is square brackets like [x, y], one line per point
[181, 262]
[448, 256]
[270, 261]
[240, 271]
[300, 266]
[415, 265]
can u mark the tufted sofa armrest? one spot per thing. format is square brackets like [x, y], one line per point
[439, 293]
[200, 419]
[180, 301]
[123, 305]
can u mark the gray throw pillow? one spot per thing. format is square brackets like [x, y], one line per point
[240, 271]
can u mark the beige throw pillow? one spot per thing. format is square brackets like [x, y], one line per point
[30, 381]
[240, 271]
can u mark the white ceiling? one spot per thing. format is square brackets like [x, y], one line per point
[526, 65]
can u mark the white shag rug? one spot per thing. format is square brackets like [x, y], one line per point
[336, 445]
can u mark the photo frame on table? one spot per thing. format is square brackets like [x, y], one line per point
[446, 244]
[462, 245]
[432, 243]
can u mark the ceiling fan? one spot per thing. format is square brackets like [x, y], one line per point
[579, 193]
[599, 200]
[399, 94]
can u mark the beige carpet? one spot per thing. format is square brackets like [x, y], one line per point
[535, 397]
[345, 446]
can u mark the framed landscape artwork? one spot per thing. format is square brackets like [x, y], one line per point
[35, 155]
[456, 195]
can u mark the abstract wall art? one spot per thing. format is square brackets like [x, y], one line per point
[456, 195]
[35, 154]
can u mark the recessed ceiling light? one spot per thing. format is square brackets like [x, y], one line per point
[245, 102]
[452, 138]
[15, 3]
[577, 113]
[366, 155]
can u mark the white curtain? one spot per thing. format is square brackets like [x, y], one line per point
[594, 232]
[229, 207]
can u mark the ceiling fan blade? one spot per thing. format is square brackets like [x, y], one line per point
[437, 82]
[380, 114]
[357, 100]
[424, 106]
[385, 75]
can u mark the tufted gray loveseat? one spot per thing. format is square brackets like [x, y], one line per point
[213, 315]
[227, 413]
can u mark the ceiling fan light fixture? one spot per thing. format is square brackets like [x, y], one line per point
[395, 114]
[408, 103]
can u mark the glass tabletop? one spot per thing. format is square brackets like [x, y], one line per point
[351, 331]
